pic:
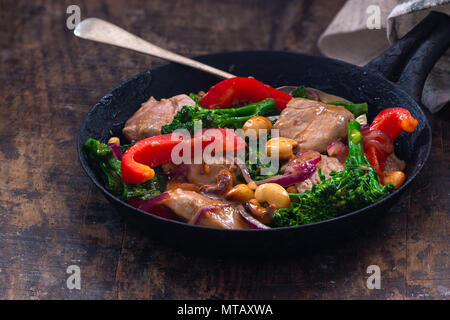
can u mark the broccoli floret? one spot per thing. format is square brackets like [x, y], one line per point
[97, 149]
[255, 167]
[196, 97]
[356, 108]
[300, 92]
[146, 190]
[125, 147]
[233, 118]
[355, 187]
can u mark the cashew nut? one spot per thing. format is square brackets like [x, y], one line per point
[273, 194]
[257, 123]
[283, 147]
[241, 193]
[252, 185]
[397, 178]
[264, 215]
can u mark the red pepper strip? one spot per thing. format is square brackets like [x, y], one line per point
[385, 128]
[393, 121]
[139, 159]
[241, 90]
[377, 147]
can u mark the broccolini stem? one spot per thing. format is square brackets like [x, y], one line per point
[115, 164]
[238, 116]
[258, 108]
[114, 184]
[356, 108]
[356, 156]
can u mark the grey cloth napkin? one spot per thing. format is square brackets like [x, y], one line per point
[356, 35]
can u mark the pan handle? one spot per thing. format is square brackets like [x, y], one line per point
[409, 61]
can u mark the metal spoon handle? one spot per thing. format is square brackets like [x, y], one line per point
[102, 31]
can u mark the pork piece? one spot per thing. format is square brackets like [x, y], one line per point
[314, 125]
[152, 115]
[394, 164]
[327, 164]
[198, 209]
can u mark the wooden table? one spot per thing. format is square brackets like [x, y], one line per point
[52, 216]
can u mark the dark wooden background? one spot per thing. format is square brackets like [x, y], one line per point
[51, 216]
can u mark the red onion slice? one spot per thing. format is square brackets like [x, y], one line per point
[154, 209]
[251, 221]
[300, 158]
[301, 172]
[148, 204]
[116, 149]
[365, 128]
[301, 167]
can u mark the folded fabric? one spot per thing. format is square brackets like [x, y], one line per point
[352, 37]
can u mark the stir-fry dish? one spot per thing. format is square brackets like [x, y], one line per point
[245, 155]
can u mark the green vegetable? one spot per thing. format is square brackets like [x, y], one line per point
[110, 167]
[112, 182]
[353, 188]
[218, 118]
[300, 92]
[146, 190]
[195, 97]
[356, 108]
[255, 168]
[124, 147]
[98, 149]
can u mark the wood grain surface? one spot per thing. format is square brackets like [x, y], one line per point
[52, 216]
